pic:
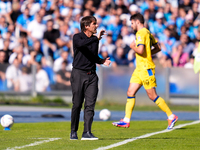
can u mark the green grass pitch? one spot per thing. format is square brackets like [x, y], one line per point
[21, 134]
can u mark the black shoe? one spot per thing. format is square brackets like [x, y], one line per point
[88, 136]
[73, 135]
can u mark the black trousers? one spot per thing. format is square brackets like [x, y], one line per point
[84, 86]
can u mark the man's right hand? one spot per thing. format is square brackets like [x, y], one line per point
[102, 32]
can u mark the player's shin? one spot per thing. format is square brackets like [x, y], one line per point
[129, 108]
[162, 105]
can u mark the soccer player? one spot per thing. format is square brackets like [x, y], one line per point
[144, 74]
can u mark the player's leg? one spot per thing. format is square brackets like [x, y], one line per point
[134, 86]
[159, 101]
[132, 90]
[149, 85]
[172, 119]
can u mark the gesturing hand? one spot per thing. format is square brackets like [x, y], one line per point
[107, 61]
[102, 32]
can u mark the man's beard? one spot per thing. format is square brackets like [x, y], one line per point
[134, 31]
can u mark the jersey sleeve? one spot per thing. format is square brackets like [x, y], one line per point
[140, 39]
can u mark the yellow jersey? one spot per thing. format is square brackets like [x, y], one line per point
[144, 37]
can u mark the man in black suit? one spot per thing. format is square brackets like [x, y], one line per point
[84, 80]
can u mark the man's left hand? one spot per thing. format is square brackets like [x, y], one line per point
[106, 61]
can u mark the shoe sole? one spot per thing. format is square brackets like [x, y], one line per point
[91, 139]
[73, 139]
[120, 126]
[173, 124]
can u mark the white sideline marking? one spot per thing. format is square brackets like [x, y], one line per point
[34, 144]
[146, 135]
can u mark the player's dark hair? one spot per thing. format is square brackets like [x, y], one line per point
[86, 21]
[138, 16]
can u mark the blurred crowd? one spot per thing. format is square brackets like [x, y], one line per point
[39, 32]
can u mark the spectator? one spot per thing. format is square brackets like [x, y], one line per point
[179, 57]
[15, 11]
[127, 36]
[187, 45]
[24, 81]
[86, 13]
[63, 78]
[42, 80]
[32, 5]
[58, 62]
[148, 22]
[195, 10]
[167, 11]
[186, 5]
[3, 66]
[101, 14]
[172, 28]
[158, 26]
[103, 52]
[120, 4]
[56, 18]
[189, 25]
[78, 4]
[109, 5]
[161, 3]
[89, 5]
[181, 19]
[43, 14]
[6, 49]
[29, 59]
[167, 42]
[133, 9]
[120, 58]
[37, 48]
[35, 30]
[175, 14]
[9, 35]
[17, 52]
[143, 6]
[115, 28]
[6, 10]
[64, 42]
[12, 74]
[35, 55]
[120, 43]
[152, 11]
[69, 7]
[22, 22]
[50, 41]
[109, 44]
[3, 25]
[75, 23]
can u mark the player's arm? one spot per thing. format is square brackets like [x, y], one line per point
[156, 49]
[139, 49]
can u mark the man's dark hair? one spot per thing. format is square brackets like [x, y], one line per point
[86, 21]
[138, 16]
